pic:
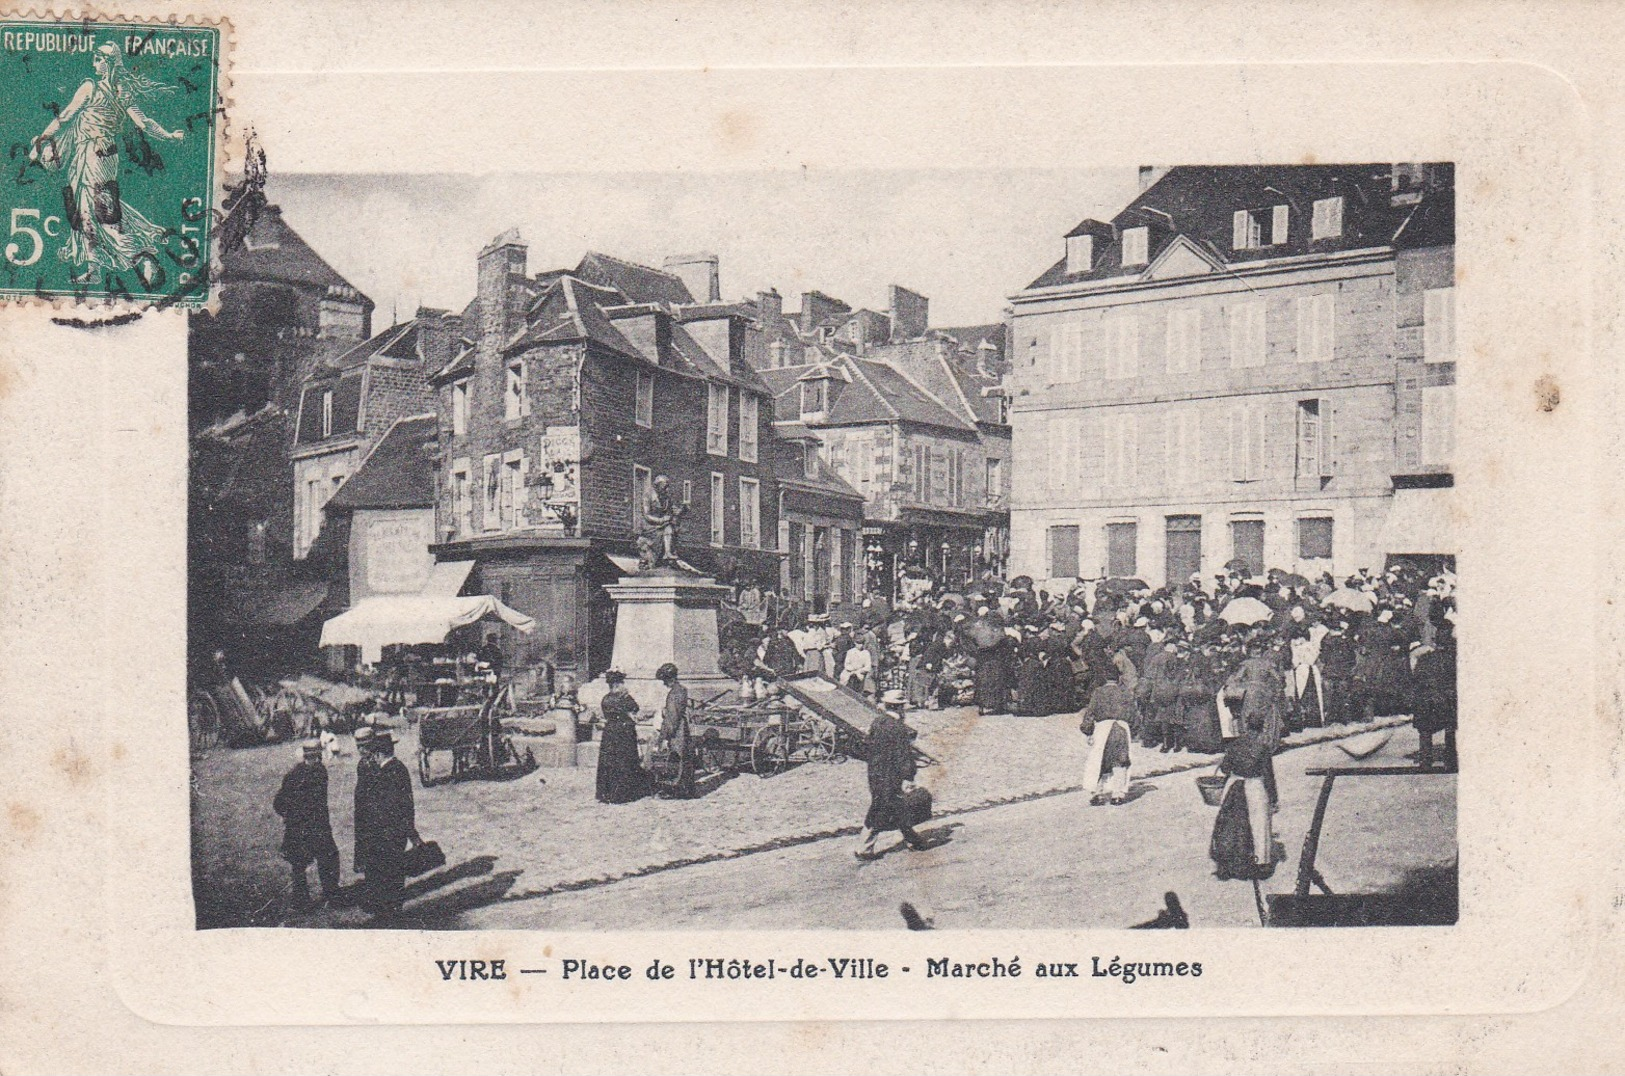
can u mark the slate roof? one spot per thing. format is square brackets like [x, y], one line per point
[396, 473]
[791, 470]
[1200, 201]
[639, 283]
[876, 392]
[272, 250]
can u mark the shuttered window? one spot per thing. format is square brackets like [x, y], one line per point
[1063, 552]
[1122, 436]
[1122, 550]
[1280, 222]
[1247, 544]
[1122, 345]
[1439, 325]
[1184, 340]
[1315, 538]
[1247, 334]
[1183, 451]
[719, 492]
[1316, 315]
[749, 426]
[1136, 245]
[1247, 442]
[1438, 424]
[1328, 219]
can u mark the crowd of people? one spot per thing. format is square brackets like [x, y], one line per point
[1373, 644]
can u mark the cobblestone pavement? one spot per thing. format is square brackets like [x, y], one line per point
[540, 849]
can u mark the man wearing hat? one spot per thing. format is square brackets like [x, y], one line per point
[385, 824]
[674, 727]
[307, 835]
[890, 755]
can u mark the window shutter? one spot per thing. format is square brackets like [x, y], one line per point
[1131, 449]
[1256, 445]
[1306, 329]
[1325, 322]
[1279, 224]
[1170, 451]
[1238, 444]
[1328, 440]
[521, 493]
[1239, 226]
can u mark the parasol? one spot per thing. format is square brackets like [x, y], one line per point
[1120, 586]
[1246, 611]
[1355, 601]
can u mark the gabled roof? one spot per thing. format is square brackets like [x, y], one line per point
[1199, 203]
[568, 312]
[639, 283]
[894, 393]
[272, 250]
[390, 342]
[396, 473]
[872, 392]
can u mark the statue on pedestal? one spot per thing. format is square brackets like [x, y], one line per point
[657, 544]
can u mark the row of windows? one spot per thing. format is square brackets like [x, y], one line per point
[1063, 349]
[1247, 452]
[1182, 545]
[1247, 233]
[516, 405]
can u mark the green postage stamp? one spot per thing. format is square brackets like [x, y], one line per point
[111, 139]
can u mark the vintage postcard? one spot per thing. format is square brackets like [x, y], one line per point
[654, 546]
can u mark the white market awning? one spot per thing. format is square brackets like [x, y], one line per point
[447, 577]
[412, 619]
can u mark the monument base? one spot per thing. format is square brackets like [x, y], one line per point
[668, 615]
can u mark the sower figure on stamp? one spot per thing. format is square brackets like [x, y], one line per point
[107, 233]
[307, 835]
[385, 824]
[661, 514]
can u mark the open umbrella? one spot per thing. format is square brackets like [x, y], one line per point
[1120, 586]
[1246, 611]
[1355, 601]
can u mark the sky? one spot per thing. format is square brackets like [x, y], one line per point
[965, 238]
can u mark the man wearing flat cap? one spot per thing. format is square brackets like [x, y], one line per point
[385, 825]
[307, 835]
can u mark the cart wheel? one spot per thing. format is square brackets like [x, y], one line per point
[769, 753]
[818, 738]
[424, 770]
[202, 720]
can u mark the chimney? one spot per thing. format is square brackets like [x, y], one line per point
[910, 313]
[1149, 174]
[769, 309]
[501, 269]
[699, 273]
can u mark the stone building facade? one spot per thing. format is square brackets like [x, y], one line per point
[1246, 364]
[571, 390]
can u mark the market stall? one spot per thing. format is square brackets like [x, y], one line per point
[412, 619]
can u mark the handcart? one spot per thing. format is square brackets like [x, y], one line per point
[764, 737]
[476, 740]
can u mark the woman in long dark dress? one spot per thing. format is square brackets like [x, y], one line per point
[621, 776]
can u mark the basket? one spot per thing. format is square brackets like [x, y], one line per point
[1211, 786]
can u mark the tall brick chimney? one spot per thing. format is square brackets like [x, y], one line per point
[501, 299]
[700, 273]
[910, 313]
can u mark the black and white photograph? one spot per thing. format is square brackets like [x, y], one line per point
[855, 550]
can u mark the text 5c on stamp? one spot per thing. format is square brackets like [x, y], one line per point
[109, 134]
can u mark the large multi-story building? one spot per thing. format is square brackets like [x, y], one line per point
[1247, 363]
[570, 391]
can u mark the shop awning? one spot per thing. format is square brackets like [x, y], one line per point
[1421, 521]
[446, 578]
[412, 619]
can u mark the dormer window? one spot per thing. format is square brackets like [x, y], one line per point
[1328, 219]
[1136, 244]
[1280, 224]
[809, 459]
[814, 397]
[1080, 253]
[1246, 231]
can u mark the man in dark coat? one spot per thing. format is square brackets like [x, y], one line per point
[890, 750]
[1435, 705]
[307, 835]
[673, 736]
[366, 768]
[385, 825]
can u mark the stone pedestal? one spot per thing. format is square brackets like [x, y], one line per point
[667, 615]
